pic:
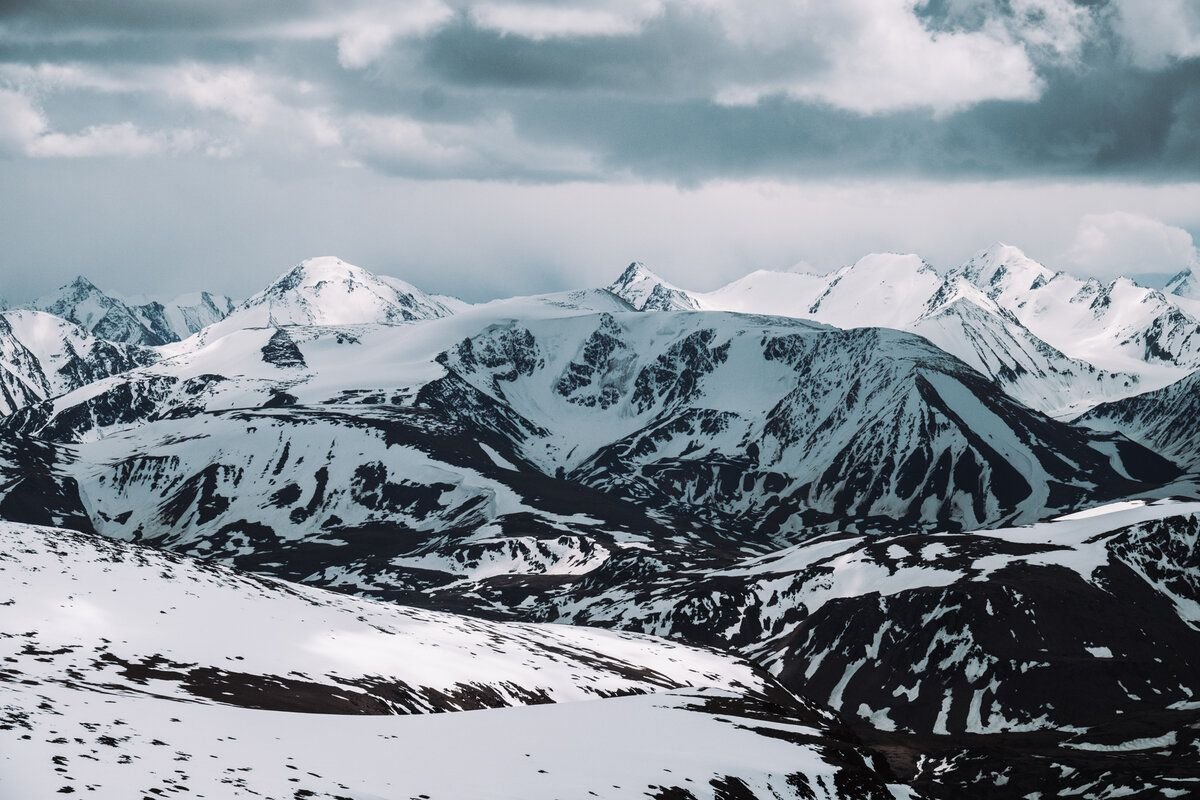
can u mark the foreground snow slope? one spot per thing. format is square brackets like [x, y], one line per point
[699, 744]
[113, 615]
[130, 672]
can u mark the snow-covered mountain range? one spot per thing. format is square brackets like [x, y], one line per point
[1056, 343]
[942, 528]
[146, 323]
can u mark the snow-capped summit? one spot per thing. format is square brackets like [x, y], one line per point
[329, 291]
[1004, 272]
[886, 290]
[782, 294]
[646, 291]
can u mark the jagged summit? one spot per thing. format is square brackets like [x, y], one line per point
[646, 291]
[133, 321]
[83, 303]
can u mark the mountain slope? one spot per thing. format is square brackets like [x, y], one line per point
[122, 644]
[964, 313]
[1058, 658]
[780, 423]
[177, 319]
[42, 355]
[766, 424]
[781, 294]
[1166, 420]
[961, 320]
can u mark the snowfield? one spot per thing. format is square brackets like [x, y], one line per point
[129, 671]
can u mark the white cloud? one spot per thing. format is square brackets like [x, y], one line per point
[20, 121]
[253, 99]
[1119, 243]
[366, 35]
[121, 139]
[402, 141]
[539, 21]
[879, 56]
[238, 93]
[1059, 28]
[490, 147]
[25, 130]
[56, 77]
[1159, 31]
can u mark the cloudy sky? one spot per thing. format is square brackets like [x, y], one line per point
[488, 148]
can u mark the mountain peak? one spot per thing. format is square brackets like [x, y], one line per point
[325, 290]
[73, 291]
[81, 282]
[1003, 270]
[635, 275]
[646, 291]
[1184, 284]
[312, 271]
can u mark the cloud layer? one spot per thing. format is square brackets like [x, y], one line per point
[231, 137]
[677, 90]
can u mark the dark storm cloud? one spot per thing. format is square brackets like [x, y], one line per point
[59, 19]
[642, 103]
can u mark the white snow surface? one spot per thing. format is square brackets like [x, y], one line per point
[75, 717]
[138, 603]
